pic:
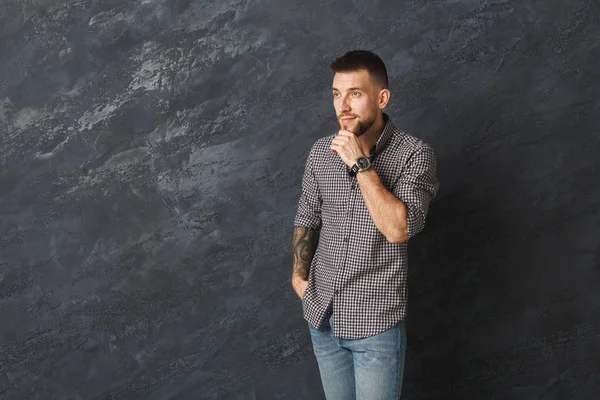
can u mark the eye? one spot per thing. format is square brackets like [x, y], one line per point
[355, 93]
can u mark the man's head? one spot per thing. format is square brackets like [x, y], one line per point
[360, 90]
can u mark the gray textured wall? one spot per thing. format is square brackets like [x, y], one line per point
[151, 156]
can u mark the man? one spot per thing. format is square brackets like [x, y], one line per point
[366, 191]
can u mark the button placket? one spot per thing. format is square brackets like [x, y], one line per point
[348, 218]
[346, 239]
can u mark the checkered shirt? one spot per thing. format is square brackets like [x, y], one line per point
[356, 274]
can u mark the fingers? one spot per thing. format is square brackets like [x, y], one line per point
[339, 141]
[345, 133]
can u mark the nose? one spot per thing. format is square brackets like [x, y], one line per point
[344, 105]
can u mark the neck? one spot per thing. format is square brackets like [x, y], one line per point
[369, 138]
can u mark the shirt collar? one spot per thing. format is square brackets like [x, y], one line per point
[384, 137]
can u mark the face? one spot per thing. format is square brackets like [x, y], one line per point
[355, 99]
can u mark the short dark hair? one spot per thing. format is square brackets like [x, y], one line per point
[355, 60]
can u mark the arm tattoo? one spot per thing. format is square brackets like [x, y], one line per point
[304, 244]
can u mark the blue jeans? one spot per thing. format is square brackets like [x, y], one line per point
[363, 369]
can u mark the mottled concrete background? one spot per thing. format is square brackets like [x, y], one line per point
[151, 156]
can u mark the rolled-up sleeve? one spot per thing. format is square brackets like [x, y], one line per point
[309, 205]
[416, 186]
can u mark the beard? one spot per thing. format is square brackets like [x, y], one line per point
[361, 126]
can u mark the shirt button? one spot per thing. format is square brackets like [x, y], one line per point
[336, 291]
[346, 240]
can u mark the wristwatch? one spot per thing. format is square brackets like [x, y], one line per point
[362, 163]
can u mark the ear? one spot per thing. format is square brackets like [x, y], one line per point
[383, 98]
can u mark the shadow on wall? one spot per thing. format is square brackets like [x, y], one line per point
[464, 268]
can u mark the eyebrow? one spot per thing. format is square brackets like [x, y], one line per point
[352, 88]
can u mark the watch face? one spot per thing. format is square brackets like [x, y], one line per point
[363, 162]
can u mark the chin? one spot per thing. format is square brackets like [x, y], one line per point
[352, 128]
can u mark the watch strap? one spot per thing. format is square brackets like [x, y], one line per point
[354, 170]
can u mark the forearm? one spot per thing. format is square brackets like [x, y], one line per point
[387, 211]
[304, 245]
